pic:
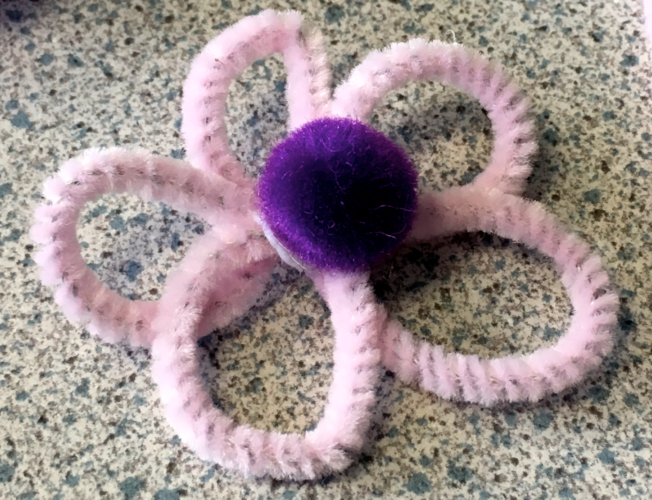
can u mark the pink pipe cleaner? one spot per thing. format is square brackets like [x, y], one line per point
[511, 378]
[224, 272]
[338, 435]
[223, 59]
[81, 295]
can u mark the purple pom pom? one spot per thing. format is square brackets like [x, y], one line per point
[338, 194]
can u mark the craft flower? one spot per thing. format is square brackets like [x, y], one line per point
[335, 196]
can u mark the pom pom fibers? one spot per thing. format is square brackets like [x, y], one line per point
[338, 194]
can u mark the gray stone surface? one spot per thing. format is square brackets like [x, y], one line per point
[80, 419]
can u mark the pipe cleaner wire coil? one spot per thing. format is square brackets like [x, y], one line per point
[225, 271]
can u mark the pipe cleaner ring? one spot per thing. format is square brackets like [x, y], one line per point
[450, 64]
[214, 436]
[512, 378]
[79, 292]
[226, 56]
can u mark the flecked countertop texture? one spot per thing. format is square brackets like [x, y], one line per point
[81, 419]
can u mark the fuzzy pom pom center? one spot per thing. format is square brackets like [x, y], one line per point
[338, 194]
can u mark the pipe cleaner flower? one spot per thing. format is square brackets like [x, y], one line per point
[335, 196]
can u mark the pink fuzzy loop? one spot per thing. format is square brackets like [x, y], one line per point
[81, 295]
[452, 64]
[512, 378]
[224, 58]
[357, 319]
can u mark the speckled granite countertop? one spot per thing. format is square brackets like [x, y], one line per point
[80, 419]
